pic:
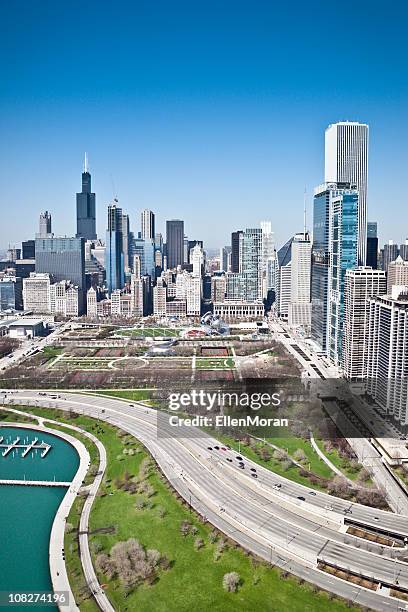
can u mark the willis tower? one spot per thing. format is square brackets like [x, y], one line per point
[85, 207]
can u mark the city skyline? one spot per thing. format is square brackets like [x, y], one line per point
[230, 125]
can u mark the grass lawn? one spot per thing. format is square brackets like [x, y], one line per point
[151, 332]
[215, 363]
[194, 580]
[52, 351]
[292, 444]
[134, 395]
[342, 464]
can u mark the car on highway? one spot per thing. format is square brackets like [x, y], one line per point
[301, 497]
[277, 486]
[237, 457]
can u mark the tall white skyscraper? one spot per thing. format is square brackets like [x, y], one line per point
[147, 224]
[346, 161]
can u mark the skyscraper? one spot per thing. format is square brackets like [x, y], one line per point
[372, 245]
[148, 224]
[114, 260]
[361, 284]
[346, 161]
[175, 243]
[85, 207]
[343, 248]
[235, 238]
[335, 244]
[387, 354]
[44, 226]
[403, 250]
[390, 253]
[63, 259]
[299, 308]
[126, 245]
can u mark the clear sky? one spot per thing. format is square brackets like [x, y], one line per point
[213, 112]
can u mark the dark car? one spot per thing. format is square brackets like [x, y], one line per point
[254, 475]
[242, 466]
[209, 447]
[253, 469]
[230, 460]
[217, 447]
[301, 498]
[239, 458]
[312, 493]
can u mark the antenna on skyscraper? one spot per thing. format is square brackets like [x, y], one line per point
[86, 162]
[304, 214]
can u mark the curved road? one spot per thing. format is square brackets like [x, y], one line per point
[270, 521]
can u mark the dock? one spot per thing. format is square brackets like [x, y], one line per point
[36, 483]
[27, 447]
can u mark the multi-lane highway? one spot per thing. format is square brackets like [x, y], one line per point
[285, 523]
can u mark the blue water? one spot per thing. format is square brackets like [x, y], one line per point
[27, 512]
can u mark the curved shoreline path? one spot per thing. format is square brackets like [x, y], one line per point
[85, 555]
[286, 523]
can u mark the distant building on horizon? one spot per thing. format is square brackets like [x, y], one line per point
[148, 224]
[44, 225]
[175, 243]
[85, 207]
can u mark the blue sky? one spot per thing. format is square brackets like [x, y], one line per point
[209, 111]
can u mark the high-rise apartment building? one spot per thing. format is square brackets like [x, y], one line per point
[44, 225]
[299, 307]
[86, 207]
[284, 278]
[397, 273]
[114, 258]
[346, 161]
[159, 298]
[387, 353]
[175, 243]
[148, 224]
[361, 284]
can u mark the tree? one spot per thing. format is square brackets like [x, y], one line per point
[231, 581]
[299, 455]
[185, 528]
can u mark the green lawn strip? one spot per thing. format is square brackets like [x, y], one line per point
[194, 579]
[134, 395]
[52, 351]
[149, 332]
[84, 600]
[342, 464]
[292, 444]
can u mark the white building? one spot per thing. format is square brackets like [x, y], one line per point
[346, 161]
[193, 295]
[36, 292]
[91, 302]
[230, 310]
[397, 273]
[147, 224]
[299, 307]
[387, 355]
[361, 284]
[159, 298]
[197, 259]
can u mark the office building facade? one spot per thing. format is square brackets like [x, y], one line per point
[346, 161]
[175, 243]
